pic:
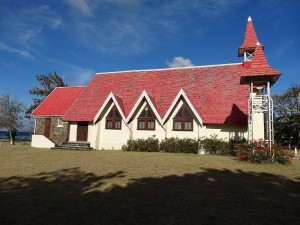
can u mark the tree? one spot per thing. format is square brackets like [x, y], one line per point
[11, 115]
[47, 85]
[287, 116]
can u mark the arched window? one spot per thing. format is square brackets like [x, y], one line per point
[113, 119]
[146, 120]
[183, 120]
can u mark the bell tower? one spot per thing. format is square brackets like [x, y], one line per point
[260, 77]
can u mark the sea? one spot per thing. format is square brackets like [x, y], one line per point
[21, 135]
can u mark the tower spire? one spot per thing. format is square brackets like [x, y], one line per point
[250, 40]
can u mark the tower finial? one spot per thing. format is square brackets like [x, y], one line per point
[250, 40]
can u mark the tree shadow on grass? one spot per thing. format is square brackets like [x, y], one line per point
[211, 196]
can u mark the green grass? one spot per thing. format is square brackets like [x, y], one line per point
[40, 186]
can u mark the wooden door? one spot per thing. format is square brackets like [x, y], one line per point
[47, 128]
[82, 131]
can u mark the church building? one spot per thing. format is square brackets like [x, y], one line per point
[231, 101]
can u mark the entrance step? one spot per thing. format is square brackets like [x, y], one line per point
[78, 146]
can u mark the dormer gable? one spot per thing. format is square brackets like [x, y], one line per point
[182, 94]
[118, 102]
[150, 101]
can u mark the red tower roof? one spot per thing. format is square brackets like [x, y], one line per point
[260, 69]
[250, 39]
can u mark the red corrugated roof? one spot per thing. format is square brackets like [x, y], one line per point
[214, 91]
[58, 101]
[250, 39]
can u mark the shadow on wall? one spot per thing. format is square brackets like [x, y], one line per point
[236, 116]
[209, 197]
[239, 118]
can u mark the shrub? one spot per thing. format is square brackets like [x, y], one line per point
[215, 145]
[259, 152]
[150, 144]
[186, 145]
[175, 145]
[233, 143]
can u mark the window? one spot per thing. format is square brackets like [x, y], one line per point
[113, 119]
[59, 122]
[146, 120]
[183, 120]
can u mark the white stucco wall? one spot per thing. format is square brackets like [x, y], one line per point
[198, 130]
[258, 123]
[227, 132]
[258, 126]
[92, 135]
[73, 131]
[111, 139]
[40, 141]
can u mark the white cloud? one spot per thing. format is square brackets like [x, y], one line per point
[83, 76]
[133, 27]
[82, 6]
[25, 28]
[77, 75]
[55, 23]
[128, 36]
[180, 62]
[20, 52]
[41, 15]
[29, 34]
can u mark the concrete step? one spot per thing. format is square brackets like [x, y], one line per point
[78, 146]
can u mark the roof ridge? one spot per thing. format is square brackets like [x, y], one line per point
[178, 68]
[72, 87]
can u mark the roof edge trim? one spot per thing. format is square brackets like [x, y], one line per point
[183, 94]
[146, 70]
[112, 97]
[149, 101]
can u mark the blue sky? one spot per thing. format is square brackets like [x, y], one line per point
[78, 38]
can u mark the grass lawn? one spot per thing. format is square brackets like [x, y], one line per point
[41, 186]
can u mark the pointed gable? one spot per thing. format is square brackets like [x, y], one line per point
[117, 100]
[250, 38]
[150, 101]
[182, 94]
[58, 101]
